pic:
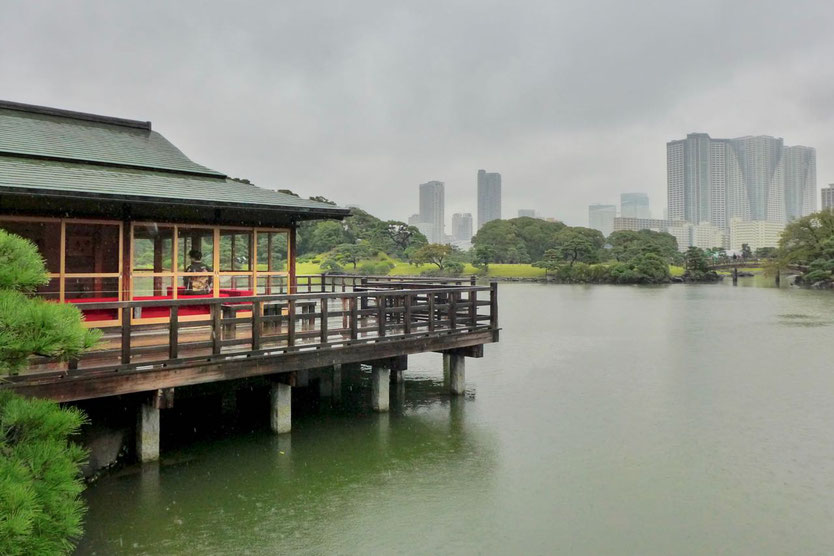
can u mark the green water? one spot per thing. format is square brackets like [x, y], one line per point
[608, 420]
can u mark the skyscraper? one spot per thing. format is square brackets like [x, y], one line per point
[462, 226]
[530, 213]
[489, 197]
[828, 197]
[748, 178]
[432, 209]
[601, 217]
[634, 205]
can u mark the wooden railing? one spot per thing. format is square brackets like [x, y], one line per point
[336, 312]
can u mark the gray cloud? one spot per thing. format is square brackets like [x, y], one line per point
[360, 101]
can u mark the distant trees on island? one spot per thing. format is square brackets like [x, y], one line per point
[570, 254]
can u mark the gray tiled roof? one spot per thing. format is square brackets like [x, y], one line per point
[89, 179]
[37, 134]
[50, 150]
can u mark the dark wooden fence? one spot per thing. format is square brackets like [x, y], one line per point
[329, 312]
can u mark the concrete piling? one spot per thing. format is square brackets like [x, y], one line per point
[381, 378]
[457, 374]
[147, 432]
[280, 414]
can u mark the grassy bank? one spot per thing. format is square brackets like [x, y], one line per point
[405, 269]
[495, 270]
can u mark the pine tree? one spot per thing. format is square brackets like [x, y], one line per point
[32, 326]
[40, 506]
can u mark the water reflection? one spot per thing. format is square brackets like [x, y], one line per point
[249, 490]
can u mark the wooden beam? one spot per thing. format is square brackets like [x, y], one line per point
[79, 387]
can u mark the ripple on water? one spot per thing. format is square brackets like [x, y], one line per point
[800, 320]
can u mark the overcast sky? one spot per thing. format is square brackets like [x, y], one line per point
[572, 102]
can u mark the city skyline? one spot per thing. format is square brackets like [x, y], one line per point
[751, 178]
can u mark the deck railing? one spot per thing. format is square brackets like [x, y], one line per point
[334, 312]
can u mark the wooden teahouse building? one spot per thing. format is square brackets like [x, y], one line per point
[191, 274]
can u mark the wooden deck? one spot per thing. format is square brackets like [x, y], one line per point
[334, 320]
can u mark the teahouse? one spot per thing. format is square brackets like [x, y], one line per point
[191, 276]
[116, 210]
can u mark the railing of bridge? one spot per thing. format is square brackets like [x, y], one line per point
[330, 312]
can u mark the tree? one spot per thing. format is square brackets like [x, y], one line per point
[40, 507]
[434, 253]
[746, 252]
[537, 235]
[502, 238]
[31, 326]
[551, 261]
[765, 252]
[627, 244]
[326, 235]
[351, 253]
[579, 244]
[481, 257]
[695, 260]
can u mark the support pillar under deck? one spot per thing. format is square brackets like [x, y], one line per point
[457, 374]
[147, 432]
[381, 378]
[280, 408]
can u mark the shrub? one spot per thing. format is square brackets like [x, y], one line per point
[376, 268]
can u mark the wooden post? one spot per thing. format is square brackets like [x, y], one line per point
[473, 309]
[380, 315]
[453, 310]
[126, 316]
[354, 319]
[215, 328]
[256, 325]
[407, 314]
[431, 312]
[291, 322]
[173, 333]
[324, 331]
[291, 261]
[493, 305]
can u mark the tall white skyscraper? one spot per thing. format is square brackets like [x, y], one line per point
[432, 210]
[634, 205]
[601, 217]
[748, 178]
[489, 197]
[828, 197]
[462, 226]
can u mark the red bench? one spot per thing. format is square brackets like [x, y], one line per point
[154, 312]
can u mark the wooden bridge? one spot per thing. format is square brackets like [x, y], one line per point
[753, 264]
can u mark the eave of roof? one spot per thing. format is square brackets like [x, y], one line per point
[19, 175]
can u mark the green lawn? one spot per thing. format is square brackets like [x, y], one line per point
[495, 270]
[405, 269]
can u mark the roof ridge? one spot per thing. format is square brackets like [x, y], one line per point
[36, 109]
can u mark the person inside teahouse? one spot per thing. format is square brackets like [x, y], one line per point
[197, 285]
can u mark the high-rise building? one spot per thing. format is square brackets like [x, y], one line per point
[634, 205]
[462, 226]
[601, 217]
[748, 178]
[432, 210]
[828, 197]
[489, 197]
[755, 233]
[414, 219]
[529, 213]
